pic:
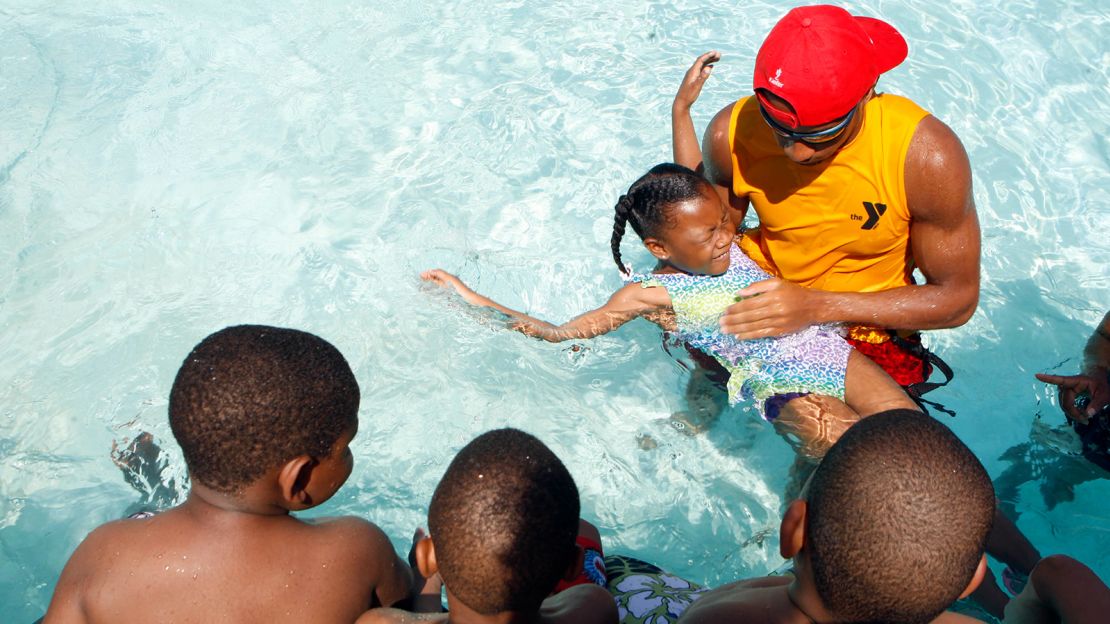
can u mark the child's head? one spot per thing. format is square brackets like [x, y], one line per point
[249, 398]
[503, 521]
[679, 217]
[896, 519]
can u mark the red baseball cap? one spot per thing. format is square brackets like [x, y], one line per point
[823, 60]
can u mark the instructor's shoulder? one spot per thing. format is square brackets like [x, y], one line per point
[935, 148]
[716, 147]
[938, 172]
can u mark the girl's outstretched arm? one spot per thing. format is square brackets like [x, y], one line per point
[629, 302]
[687, 152]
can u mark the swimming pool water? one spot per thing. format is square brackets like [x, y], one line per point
[167, 169]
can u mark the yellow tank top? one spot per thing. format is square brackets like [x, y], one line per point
[841, 225]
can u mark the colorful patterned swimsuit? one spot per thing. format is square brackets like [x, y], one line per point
[813, 360]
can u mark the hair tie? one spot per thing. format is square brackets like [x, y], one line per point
[622, 207]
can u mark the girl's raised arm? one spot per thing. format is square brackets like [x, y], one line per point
[629, 302]
[687, 152]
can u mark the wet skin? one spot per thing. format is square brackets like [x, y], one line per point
[700, 239]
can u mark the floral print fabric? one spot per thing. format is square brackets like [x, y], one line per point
[646, 594]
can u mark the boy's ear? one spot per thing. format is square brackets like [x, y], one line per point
[576, 563]
[792, 531]
[656, 247]
[424, 552]
[980, 573]
[293, 478]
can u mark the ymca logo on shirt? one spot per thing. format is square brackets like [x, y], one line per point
[874, 211]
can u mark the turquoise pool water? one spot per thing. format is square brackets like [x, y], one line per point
[167, 169]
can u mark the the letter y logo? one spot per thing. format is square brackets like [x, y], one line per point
[874, 211]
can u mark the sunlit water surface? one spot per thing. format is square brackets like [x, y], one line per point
[167, 169]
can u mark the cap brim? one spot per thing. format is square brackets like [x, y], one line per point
[788, 120]
[890, 45]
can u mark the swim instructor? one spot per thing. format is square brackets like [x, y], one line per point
[853, 190]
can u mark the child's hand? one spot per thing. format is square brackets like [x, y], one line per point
[694, 79]
[443, 279]
[1096, 389]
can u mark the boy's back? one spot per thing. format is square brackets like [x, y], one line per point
[265, 417]
[191, 565]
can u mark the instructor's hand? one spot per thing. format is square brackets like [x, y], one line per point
[772, 307]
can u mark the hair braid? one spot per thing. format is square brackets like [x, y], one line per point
[646, 205]
[623, 210]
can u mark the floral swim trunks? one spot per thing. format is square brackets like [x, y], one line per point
[646, 594]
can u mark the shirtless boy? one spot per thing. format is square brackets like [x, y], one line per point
[264, 417]
[503, 524]
[891, 529]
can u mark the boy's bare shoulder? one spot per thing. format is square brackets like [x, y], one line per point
[351, 535]
[752, 600]
[120, 538]
[581, 604]
[364, 552]
[97, 565]
[399, 616]
[345, 537]
[128, 561]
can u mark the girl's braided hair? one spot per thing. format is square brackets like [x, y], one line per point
[646, 204]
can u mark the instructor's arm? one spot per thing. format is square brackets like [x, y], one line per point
[717, 164]
[944, 242]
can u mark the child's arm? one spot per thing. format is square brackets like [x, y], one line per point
[1060, 589]
[626, 304]
[1094, 381]
[687, 152]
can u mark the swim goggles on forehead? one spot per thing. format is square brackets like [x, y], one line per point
[821, 136]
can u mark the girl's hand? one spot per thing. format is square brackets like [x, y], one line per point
[443, 279]
[694, 79]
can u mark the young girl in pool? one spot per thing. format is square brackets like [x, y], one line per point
[811, 384]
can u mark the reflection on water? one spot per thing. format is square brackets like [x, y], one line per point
[1053, 460]
[167, 169]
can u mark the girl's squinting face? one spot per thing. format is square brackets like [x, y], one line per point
[700, 240]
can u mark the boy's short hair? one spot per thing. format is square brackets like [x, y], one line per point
[504, 520]
[897, 518]
[250, 397]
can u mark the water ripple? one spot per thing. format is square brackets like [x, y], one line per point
[167, 171]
